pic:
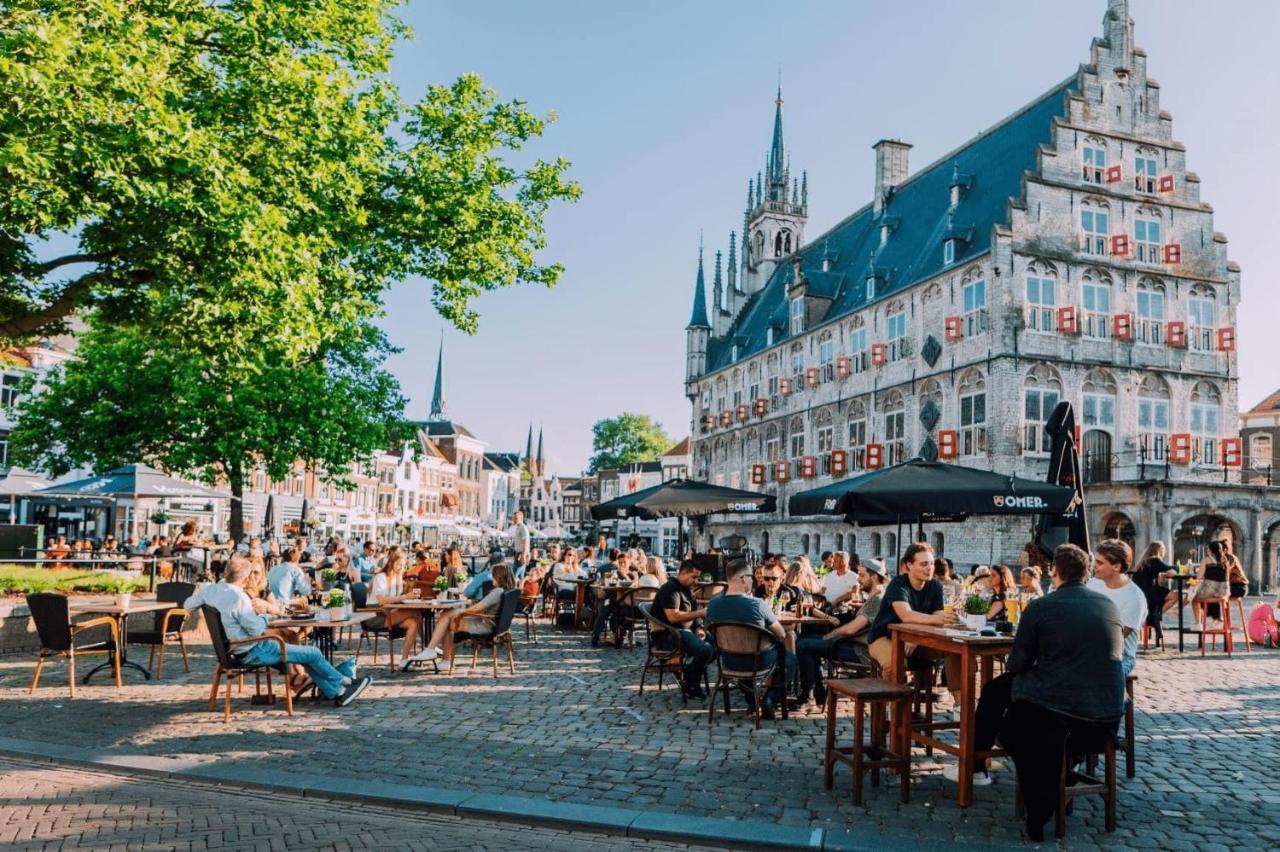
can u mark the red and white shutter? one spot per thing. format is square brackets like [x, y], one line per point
[1115, 174]
[953, 329]
[879, 354]
[808, 466]
[1120, 245]
[762, 407]
[1173, 253]
[741, 412]
[843, 367]
[757, 474]
[811, 377]
[1231, 452]
[839, 462]
[1122, 326]
[1067, 320]
[1175, 333]
[708, 422]
[948, 443]
[875, 456]
[1166, 183]
[784, 387]
[726, 417]
[782, 470]
[1180, 448]
[1227, 339]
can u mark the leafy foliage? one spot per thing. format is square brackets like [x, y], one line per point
[20, 580]
[626, 439]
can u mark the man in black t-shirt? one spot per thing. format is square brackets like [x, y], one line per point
[675, 607]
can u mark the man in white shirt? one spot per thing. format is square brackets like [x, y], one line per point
[1111, 561]
[245, 618]
[840, 584]
[520, 536]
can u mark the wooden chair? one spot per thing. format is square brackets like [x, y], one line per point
[529, 614]
[499, 636]
[58, 637]
[633, 619]
[232, 665]
[1244, 625]
[1126, 744]
[746, 640]
[662, 660]
[167, 629]
[890, 705]
[1224, 607]
[1073, 783]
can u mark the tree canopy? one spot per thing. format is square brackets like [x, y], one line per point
[211, 165]
[626, 439]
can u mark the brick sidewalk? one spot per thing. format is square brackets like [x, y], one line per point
[571, 726]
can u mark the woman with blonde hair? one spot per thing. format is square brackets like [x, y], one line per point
[476, 619]
[385, 590]
[801, 577]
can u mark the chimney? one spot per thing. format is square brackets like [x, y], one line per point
[891, 168]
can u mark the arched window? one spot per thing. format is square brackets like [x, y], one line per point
[839, 541]
[1096, 290]
[1202, 317]
[895, 429]
[797, 437]
[1153, 419]
[772, 443]
[891, 552]
[875, 545]
[973, 413]
[1042, 389]
[758, 245]
[1095, 226]
[782, 243]
[1260, 452]
[1042, 296]
[827, 355]
[1099, 404]
[1093, 160]
[938, 542]
[1206, 405]
[825, 435]
[1146, 172]
[857, 435]
[817, 543]
[1150, 305]
[973, 291]
[1148, 245]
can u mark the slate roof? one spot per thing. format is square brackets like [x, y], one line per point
[506, 462]
[993, 164]
[442, 428]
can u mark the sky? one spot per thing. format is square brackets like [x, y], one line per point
[665, 110]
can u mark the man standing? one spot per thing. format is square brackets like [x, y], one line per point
[1064, 677]
[737, 605]
[848, 641]
[839, 585]
[520, 536]
[1111, 561]
[674, 606]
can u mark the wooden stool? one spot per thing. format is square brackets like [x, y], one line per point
[890, 705]
[1147, 630]
[1244, 624]
[1224, 607]
[1072, 784]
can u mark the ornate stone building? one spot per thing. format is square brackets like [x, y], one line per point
[1064, 253]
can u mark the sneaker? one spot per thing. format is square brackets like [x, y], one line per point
[352, 692]
[445, 666]
[425, 656]
[981, 778]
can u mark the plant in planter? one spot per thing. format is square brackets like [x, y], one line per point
[328, 576]
[159, 518]
[336, 602]
[975, 611]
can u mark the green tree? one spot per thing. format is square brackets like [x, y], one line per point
[123, 399]
[626, 439]
[203, 166]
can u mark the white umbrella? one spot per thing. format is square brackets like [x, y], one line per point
[468, 532]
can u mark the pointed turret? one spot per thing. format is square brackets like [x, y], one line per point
[777, 155]
[699, 317]
[437, 396]
[774, 228]
[733, 262]
[528, 450]
[542, 469]
[697, 333]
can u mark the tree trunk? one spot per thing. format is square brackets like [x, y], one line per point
[235, 476]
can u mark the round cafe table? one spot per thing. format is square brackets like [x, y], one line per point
[324, 627]
[1180, 580]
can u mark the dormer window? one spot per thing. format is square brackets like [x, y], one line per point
[797, 315]
[948, 252]
[1093, 157]
[884, 234]
[733, 352]
[768, 336]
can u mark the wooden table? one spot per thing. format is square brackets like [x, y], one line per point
[121, 616]
[579, 597]
[320, 622]
[427, 606]
[1181, 579]
[788, 619]
[976, 654]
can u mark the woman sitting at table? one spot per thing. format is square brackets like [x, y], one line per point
[801, 577]
[1150, 575]
[654, 576]
[565, 572]
[387, 588]
[1000, 582]
[475, 620]
[1029, 588]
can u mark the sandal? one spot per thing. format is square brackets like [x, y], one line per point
[301, 685]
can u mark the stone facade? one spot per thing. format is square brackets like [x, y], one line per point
[1099, 280]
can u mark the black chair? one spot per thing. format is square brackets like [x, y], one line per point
[663, 659]
[167, 629]
[58, 636]
[746, 640]
[500, 635]
[633, 619]
[530, 616]
[375, 627]
[232, 665]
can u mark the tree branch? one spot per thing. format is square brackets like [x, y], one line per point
[65, 304]
[39, 270]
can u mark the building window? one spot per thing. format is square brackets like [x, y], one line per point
[826, 352]
[1097, 307]
[1259, 450]
[948, 252]
[4, 448]
[1094, 161]
[1205, 405]
[858, 346]
[1150, 303]
[797, 438]
[1201, 322]
[857, 436]
[733, 352]
[1153, 428]
[9, 389]
[1041, 302]
[797, 315]
[797, 367]
[1099, 409]
[1095, 226]
[1041, 394]
[974, 295]
[1146, 237]
[896, 327]
[895, 431]
[973, 415]
[772, 444]
[1145, 174]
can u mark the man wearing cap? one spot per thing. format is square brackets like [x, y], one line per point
[847, 642]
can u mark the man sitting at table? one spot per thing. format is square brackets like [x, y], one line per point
[839, 585]
[772, 592]
[1111, 561]
[674, 606]
[609, 614]
[1063, 678]
[848, 641]
[739, 606]
[287, 580]
[914, 597]
[245, 618]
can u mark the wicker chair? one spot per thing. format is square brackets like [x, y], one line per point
[634, 620]
[499, 636]
[167, 629]
[58, 637]
[747, 640]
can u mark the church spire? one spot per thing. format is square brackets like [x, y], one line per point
[733, 261]
[437, 396]
[777, 154]
[541, 465]
[528, 450]
[699, 317]
[717, 284]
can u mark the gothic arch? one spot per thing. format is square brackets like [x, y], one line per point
[1043, 376]
[973, 273]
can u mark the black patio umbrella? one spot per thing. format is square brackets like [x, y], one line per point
[684, 498]
[919, 490]
[1064, 470]
[269, 518]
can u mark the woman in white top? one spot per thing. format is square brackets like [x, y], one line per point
[476, 619]
[654, 575]
[387, 589]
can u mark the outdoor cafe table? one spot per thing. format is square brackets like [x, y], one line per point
[976, 654]
[325, 639]
[616, 591]
[579, 599]
[1181, 579]
[121, 616]
[428, 607]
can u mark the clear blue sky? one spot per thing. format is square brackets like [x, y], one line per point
[665, 111]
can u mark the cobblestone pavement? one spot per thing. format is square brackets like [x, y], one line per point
[571, 725]
[58, 808]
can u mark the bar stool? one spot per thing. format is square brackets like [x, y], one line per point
[1244, 624]
[890, 706]
[1224, 607]
[1073, 783]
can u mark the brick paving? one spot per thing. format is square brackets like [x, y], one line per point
[572, 726]
[59, 808]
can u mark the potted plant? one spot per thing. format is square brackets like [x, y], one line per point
[441, 584]
[975, 611]
[159, 518]
[336, 602]
[328, 576]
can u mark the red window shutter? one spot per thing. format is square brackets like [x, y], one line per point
[757, 474]
[1120, 245]
[726, 417]
[1166, 183]
[1227, 339]
[948, 443]
[1079, 434]
[1114, 174]
[879, 354]
[782, 471]
[1180, 448]
[808, 466]
[784, 387]
[1176, 333]
[875, 456]
[708, 423]
[839, 462]
[762, 407]
[1122, 326]
[811, 377]
[1173, 253]
[842, 366]
[1067, 320]
[953, 329]
[742, 413]
[1231, 452]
